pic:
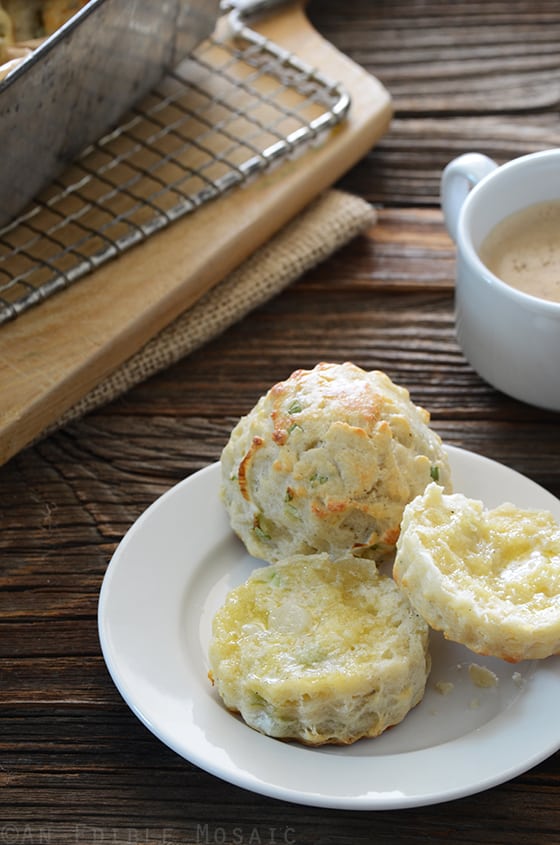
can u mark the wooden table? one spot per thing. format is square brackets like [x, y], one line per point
[76, 765]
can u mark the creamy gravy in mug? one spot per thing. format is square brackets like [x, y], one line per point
[524, 250]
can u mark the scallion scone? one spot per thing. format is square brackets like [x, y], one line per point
[489, 579]
[319, 651]
[326, 462]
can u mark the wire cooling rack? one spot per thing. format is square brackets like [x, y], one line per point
[236, 106]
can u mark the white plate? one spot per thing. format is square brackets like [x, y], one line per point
[162, 587]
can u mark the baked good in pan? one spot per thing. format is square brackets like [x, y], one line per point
[489, 579]
[30, 19]
[319, 651]
[326, 462]
[24, 24]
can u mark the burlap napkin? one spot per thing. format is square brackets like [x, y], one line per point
[324, 226]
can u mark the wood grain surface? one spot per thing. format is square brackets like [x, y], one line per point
[75, 763]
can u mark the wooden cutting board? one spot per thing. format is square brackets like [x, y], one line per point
[54, 354]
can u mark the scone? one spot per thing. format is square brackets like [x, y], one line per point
[326, 462]
[489, 579]
[319, 651]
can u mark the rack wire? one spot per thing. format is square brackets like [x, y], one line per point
[239, 104]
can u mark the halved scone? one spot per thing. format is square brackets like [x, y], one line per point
[319, 651]
[489, 579]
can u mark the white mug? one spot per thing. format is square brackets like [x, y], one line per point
[511, 338]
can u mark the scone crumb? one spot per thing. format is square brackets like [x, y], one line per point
[444, 687]
[518, 679]
[482, 677]
[487, 579]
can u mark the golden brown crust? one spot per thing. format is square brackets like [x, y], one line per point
[327, 459]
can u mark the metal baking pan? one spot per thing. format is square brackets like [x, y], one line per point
[79, 81]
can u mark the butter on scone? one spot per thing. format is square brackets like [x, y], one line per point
[489, 579]
[318, 651]
[326, 462]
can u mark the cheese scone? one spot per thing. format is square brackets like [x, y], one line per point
[319, 651]
[326, 462]
[489, 579]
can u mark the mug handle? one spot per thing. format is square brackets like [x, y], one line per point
[457, 179]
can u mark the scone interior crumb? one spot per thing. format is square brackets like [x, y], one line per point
[319, 651]
[444, 687]
[489, 579]
[482, 676]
